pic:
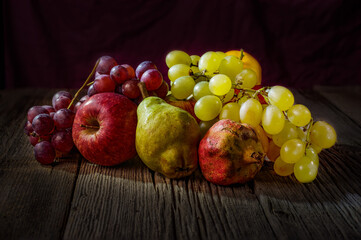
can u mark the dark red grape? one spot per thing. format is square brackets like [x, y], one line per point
[77, 106]
[34, 111]
[152, 79]
[49, 108]
[144, 66]
[119, 74]
[130, 70]
[104, 84]
[91, 90]
[130, 89]
[118, 89]
[60, 93]
[64, 118]
[52, 115]
[162, 91]
[106, 63]
[43, 124]
[28, 128]
[44, 152]
[62, 102]
[84, 98]
[34, 139]
[62, 141]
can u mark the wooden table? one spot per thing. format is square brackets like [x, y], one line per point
[74, 199]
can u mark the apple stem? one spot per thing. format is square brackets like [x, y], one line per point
[143, 90]
[85, 83]
[88, 126]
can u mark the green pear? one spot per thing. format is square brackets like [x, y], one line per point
[167, 138]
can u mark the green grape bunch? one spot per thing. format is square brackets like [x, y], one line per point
[225, 87]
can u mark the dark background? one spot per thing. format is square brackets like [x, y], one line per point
[298, 43]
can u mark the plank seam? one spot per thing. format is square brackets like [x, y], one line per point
[67, 214]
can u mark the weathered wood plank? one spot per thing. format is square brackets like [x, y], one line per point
[329, 207]
[347, 99]
[131, 202]
[34, 199]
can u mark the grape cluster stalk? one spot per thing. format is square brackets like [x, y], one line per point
[225, 88]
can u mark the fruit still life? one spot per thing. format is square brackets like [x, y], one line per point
[215, 114]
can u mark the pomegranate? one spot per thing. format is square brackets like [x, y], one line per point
[230, 152]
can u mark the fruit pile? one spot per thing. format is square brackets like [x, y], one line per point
[217, 114]
[50, 127]
[227, 86]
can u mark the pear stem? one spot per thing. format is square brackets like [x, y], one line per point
[143, 90]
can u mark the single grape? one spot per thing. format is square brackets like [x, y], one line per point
[177, 57]
[64, 118]
[28, 128]
[313, 155]
[162, 91]
[305, 170]
[104, 84]
[76, 108]
[62, 141]
[194, 69]
[106, 63]
[230, 111]
[323, 134]
[281, 97]
[183, 87]
[247, 78]
[273, 120]
[49, 108]
[195, 59]
[177, 71]
[84, 98]
[220, 84]
[208, 107]
[130, 89]
[299, 115]
[205, 125]
[228, 97]
[302, 134]
[91, 91]
[317, 149]
[251, 112]
[201, 89]
[144, 66]
[119, 74]
[62, 102]
[44, 152]
[43, 124]
[221, 54]
[282, 168]
[58, 94]
[35, 111]
[288, 132]
[292, 150]
[152, 79]
[210, 62]
[130, 70]
[243, 99]
[231, 66]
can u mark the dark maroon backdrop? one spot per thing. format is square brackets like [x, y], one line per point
[298, 43]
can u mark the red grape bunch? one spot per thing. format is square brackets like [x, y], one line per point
[123, 79]
[49, 128]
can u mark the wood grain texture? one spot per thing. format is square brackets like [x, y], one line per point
[34, 199]
[346, 98]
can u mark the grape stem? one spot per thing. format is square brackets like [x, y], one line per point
[143, 90]
[309, 125]
[85, 83]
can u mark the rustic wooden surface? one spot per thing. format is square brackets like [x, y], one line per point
[74, 199]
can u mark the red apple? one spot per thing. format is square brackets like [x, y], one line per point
[104, 129]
